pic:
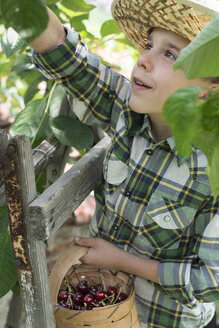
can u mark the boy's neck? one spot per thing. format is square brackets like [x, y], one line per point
[159, 128]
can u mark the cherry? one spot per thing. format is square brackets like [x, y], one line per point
[63, 305]
[121, 297]
[100, 295]
[79, 307]
[88, 299]
[107, 302]
[89, 307]
[83, 282]
[82, 286]
[78, 298]
[72, 288]
[96, 303]
[99, 287]
[69, 305]
[93, 289]
[112, 291]
[63, 295]
[84, 297]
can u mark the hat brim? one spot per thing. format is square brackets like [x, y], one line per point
[136, 17]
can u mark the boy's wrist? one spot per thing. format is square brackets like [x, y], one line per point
[52, 37]
[136, 265]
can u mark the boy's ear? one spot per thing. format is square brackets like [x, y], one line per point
[204, 92]
[214, 85]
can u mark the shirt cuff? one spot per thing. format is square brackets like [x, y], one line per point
[174, 279]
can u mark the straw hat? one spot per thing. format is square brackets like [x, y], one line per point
[185, 17]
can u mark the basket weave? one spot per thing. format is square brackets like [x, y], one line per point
[120, 315]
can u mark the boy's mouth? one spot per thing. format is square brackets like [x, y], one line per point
[141, 84]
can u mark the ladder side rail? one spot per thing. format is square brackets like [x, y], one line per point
[53, 207]
[30, 257]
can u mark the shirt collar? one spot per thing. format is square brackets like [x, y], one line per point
[140, 124]
[136, 123]
[181, 159]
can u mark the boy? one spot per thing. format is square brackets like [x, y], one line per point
[156, 218]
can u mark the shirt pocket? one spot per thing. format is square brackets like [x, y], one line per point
[116, 171]
[165, 223]
[115, 174]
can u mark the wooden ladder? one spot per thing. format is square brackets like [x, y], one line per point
[35, 218]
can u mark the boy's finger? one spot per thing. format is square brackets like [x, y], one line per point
[84, 241]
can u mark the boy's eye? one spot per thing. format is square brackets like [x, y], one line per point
[170, 55]
[148, 46]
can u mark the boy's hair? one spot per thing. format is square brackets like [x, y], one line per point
[185, 17]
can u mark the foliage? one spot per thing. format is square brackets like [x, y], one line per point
[29, 18]
[36, 109]
[200, 58]
[197, 123]
[8, 272]
[34, 101]
[72, 132]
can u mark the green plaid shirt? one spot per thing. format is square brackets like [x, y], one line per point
[151, 202]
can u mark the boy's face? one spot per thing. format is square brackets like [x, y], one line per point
[153, 79]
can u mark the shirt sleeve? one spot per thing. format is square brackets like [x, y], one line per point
[97, 93]
[196, 278]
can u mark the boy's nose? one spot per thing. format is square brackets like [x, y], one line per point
[146, 61]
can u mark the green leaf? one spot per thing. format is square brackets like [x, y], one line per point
[28, 120]
[180, 113]
[8, 271]
[24, 67]
[126, 41]
[213, 171]
[77, 5]
[16, 288]
[204, 139]
[51, 2]
[11, 42]
[77, 22]
[109, 27]
[28, 18]
[200, 57]
[41, 181]
[210, 111]
[56, 101]
[31, 91]
[72, 132]
[3, 222]
[5, 68]
[23, 62]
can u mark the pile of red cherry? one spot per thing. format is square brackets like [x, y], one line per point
[84, 297]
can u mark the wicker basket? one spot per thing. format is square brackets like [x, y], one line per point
[120, 315]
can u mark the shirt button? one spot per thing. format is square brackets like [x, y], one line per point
[167, 218]
[149, 151]
[127, 194]
[115, 227]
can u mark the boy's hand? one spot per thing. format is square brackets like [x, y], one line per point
[28, 18]
[104, 255]
[101, 254]
[53, 36]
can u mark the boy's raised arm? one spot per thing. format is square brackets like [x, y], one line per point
[53, 36]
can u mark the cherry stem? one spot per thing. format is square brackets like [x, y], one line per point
[120, 289]
[68, 284]
[103, 282]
